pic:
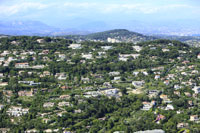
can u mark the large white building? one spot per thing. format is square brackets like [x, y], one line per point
[75, 46]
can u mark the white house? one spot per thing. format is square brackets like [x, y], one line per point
[48, 104]
[169, 107]
[114, 73]
[75, 46]
[194, 118]
[106, 47]
[137, 48]
[17, 111]
[40, 40]
[196, 89]
[138, 83]
[87, 56]
[22, 65]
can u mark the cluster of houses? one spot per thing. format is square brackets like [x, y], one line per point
[153, 81]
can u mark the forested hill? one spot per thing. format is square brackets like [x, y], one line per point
[117, 35]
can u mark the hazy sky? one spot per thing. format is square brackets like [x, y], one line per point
[55, 12]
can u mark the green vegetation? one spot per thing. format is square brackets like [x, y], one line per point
[56, 84]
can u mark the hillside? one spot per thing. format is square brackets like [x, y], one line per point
[51, 84]
[190, 40]
[117, 35]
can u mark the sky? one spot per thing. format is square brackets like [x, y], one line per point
[62, 12]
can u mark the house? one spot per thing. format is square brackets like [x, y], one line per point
[135, 56]
[85, 80]
[2, 59]
[67, 131]
[182, 125]
[38, 67]
[65, 87]
[136, 73]
[117, 78]
[6, 63]
[107, 84]
[1, 106]
[153, 48]
[159, 118]
[45, 73]
[7, 93]
[177, 93]
[5, 53]
[198, 56]
[170, 76]
[45, 52]
[179, 112]
[145, 73]
[138, 84]
[165, 98]
[111, 92]
[185, 62]
[101, 53]
[148, 105]
[61, 57]
[114, 73]
[112, 40]
[166, 82]
[190, 103]
[106, 47]
[2, 84]
[75, 46]
[137, 48]
[11, 59]
[87, 56]
[153, 93]
[45, 58]
[102, 119]
[61, 104]
[157, 77]
[123, 59]
[196, 89]
[169, 107]
[165, 50]
[22, 65]
[64, 97]
[32, 131]
[40, 40]
[48, 105]
[194, 118]
[119, 132]
[195, 72]
[61, 76]
[17, 111]
[158, 68]
[31, 83]
[26, 93]
[188, 94]
[176, 87]
[4, 130]
[77, 111]
[46, 120]
[48, 131]
[92, 94]
[61, 113]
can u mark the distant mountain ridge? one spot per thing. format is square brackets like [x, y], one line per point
[25, 28]
[34, 28]
[120, 35]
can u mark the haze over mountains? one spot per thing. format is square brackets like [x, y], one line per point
[81, 26]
